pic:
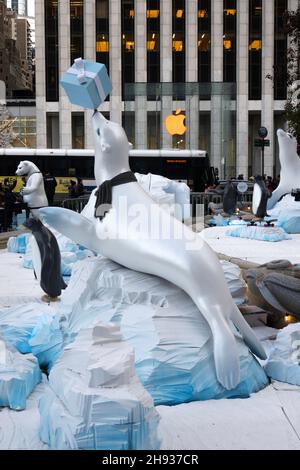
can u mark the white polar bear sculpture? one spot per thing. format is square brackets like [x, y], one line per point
[34, 192]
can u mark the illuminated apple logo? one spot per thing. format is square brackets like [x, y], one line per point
[175, 123]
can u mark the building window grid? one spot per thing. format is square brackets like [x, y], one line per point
[128, 54]
[153, 41]
[255, 49]
[51, 50]
[178, 41]
[280, 52]
[229, 41]
[77, 130]
[76, 29]
[102, 32]
[204, 41]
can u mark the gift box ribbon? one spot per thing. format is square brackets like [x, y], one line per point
[83, 74]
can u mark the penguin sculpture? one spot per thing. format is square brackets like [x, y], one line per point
[260, 198]
[46, 259]
[229, 198]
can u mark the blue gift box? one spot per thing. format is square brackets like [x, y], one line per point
[86, 83]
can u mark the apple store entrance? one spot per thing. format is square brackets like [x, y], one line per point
[193, 116]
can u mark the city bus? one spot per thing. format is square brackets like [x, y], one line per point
[190, 166]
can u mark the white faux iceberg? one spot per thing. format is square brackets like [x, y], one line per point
[19, 375]
[95, 399]
[284, 359]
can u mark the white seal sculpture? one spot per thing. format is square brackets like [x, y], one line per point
[290, 167]
[198, 273]
[34, 192]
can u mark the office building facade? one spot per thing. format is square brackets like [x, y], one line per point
[208, 60]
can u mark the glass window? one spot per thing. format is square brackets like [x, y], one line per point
[153, 46]
[154, 133]
[128, 123]
[127, 41]
[51, 50]
[24, 128]
[77, 130]
[178, 41]
[204, 131]
[76, 29]
[280, 52]
[255, 55]
[52, 130]
[102, 32]
[229, 41]
[204, 45]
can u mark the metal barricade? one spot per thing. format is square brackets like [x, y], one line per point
[205, 198]
[76, 204]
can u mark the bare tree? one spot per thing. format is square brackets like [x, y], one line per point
[292, 107]
[7, 135]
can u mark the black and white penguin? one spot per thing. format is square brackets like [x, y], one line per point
[261, 194]
[46, 258]
[229, 198]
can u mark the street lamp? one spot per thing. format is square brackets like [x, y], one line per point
[263, 132]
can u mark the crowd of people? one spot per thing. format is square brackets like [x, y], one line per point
[8, 200]
[76, 189]
[11, 203]
[271, 183]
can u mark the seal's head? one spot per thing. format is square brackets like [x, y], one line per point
[110, 139]
[287, 143]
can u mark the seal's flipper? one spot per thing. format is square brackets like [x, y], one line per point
[73, 225]
[247, 333]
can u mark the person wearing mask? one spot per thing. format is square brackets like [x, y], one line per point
[79, 188]
[9, 203]
[72, 189]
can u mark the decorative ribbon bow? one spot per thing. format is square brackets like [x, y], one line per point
[83, 74]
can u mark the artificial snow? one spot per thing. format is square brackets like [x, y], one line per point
[256, 251]
[268, 419]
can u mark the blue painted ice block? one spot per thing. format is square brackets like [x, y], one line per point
[86, 83]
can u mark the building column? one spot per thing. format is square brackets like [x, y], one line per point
[166, 12]
[89, 12]
[216, 76]
[65, 115]
[267, 108]
[140, 47]
[40, 77]
[191, 54]
[242, 119]
[115, 61]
